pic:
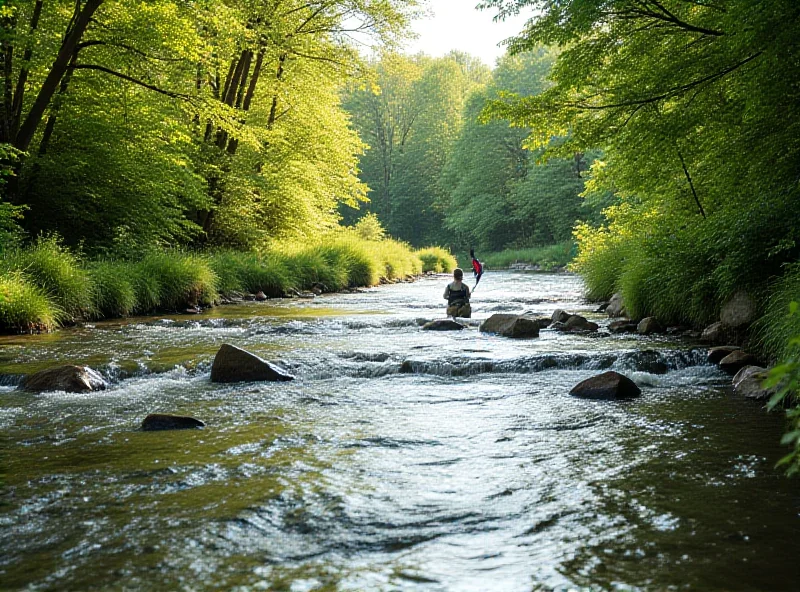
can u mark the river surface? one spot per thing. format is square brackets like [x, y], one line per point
[474, 472]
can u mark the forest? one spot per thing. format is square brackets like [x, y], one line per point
[652, 142]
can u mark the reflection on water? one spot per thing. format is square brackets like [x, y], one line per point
[399, 459]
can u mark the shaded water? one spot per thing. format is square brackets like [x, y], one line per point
[475, 471]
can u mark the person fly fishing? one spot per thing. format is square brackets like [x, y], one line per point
[457, 293]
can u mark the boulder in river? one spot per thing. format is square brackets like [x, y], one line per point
[608, 385]
[739, 311]
[559, 316]
[166, 421]
[716, 333]
[233, 364]
[510, 325]
[748, 383]
[737, 360]
[443, 325]
[648, 326]
[576, 323]
[69, 378]
[616, 307]
[715, 354]
[260, 296]
[622, 326]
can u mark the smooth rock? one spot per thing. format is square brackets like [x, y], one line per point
[608, 385]
[69, 378]
[443, 325]
[233, 364]
[260, 296]
[739, 311]
[165, 421]
[406, 367]
[543, 322]
[737, 360]
[622, 326]
[616, 307]
[716, 333]
[748, 383]
[559, 316]
[715, 354]
[510, 325]
[648, 326]
[578, 323]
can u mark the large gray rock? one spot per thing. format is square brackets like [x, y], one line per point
[69, 378]
[739, 311]
[616, 307]
[648, 326]
[748, 383]
[716, 333]
[443, 325]
[737, 360]
[510, 325]
[232, 364]
[622, 326]
[715, 354]
[608, 385]
[559, 316]
[166, 421]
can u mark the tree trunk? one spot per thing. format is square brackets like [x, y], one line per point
[57, 70]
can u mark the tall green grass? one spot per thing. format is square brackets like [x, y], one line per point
[548, 257]
[113, 288]
[57, 272]
[183, 279]
[45, 284]
[24, 307]
[775, 330]
[437, 259]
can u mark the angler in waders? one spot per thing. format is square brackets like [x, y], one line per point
[457, 295]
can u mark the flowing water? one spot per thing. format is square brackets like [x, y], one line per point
[399, 459]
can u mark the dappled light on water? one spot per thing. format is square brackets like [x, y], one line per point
[398, 459]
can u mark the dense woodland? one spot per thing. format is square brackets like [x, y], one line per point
[660, 135]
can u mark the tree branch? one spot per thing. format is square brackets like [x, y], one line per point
[169, 93]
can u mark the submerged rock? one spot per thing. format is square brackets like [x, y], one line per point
[737, 360]
[608, 385]
[166, 421]
[69, 378]
[510, 325]
[748, 383]
[443, 325]
[648, 326]
[715, 354]
[233, 364]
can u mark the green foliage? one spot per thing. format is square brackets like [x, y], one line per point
[785, 377]
[57, 271]
[437, 259]
[700, 150]
[776, 329]
[113, 288]
[397, 260]
[24, 307]
[549, 257]
[184, 279]
[308, 267]
[369, 227]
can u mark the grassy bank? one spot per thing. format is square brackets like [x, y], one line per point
[547, 258]
[46, 285]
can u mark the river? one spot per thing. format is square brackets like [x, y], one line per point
[475, 472]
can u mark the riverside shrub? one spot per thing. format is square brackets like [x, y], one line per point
[24, 307]
[113, 288]
[57, 272]
[437, 259]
